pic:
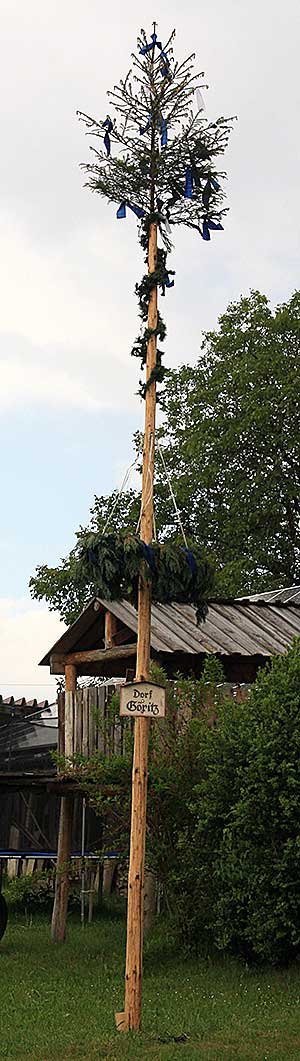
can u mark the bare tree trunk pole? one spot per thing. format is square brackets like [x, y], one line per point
[131, 1019]
[62, 882]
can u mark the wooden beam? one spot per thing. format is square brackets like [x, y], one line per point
[110, 629]
[70, 677]
[92, 655]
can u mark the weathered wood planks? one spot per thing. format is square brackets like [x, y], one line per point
[87, 724]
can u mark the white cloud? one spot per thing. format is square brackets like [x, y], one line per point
[33, 383]
[27, 631]
[66, 326]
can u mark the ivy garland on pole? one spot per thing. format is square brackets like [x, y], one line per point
[157, 157]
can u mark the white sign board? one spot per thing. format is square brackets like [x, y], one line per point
[142, 698]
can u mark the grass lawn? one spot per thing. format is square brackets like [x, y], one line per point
[58, 1002]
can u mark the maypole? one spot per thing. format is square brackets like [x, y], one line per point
[136, 877]
[165, 174]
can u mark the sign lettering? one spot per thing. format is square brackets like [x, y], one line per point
[142, 698]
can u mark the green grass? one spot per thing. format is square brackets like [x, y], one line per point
[58, 1002]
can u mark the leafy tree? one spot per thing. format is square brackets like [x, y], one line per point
[233, 445]
[65, 587]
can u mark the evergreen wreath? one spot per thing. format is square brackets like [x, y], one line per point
[112, 564]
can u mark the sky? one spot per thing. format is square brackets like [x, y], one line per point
[68, 403]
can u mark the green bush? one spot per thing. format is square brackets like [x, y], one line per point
[30, 892]
[34, 891]
[236, 868]
[223, 812]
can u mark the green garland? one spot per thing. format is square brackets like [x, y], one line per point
[112, 564]
[143, 292]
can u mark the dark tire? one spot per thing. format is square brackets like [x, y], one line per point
[3, 915]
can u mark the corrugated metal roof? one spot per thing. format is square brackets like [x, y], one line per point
[246, 627]
[290, 594]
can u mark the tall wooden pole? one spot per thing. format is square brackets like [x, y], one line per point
[131, 1018]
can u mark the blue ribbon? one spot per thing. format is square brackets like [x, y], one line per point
[137, 210]
[191, 561]
[121, 212]
[188, 191]
[144, 130]
[196, 177]
[149, 556]
[108, 125]
[168, 282]
[210, 226]
[92, 556]
[215, 226]
[206, 194]
[166, 67]
[211, 184]
[176, 195]
[164, 132]
[107, 143]
[205, 231]
[148, 47]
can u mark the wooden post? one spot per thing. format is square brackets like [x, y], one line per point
[70, 678]
[62, 881]
[110, 629]
[132, 1016]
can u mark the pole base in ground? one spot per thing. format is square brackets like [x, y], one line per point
[121, 1022]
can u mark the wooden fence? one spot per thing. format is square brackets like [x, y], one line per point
[87, 724]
